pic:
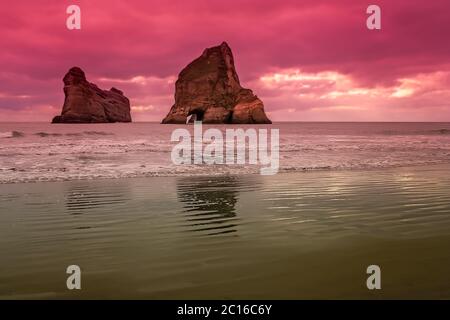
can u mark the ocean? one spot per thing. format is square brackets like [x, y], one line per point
[107, 198]
[32, 152]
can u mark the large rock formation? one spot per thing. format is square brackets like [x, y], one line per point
[86, 103]
[209, 88]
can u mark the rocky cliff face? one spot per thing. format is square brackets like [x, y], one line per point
[86, 103]
[209, 88]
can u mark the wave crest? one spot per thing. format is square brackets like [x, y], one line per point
[11, 134]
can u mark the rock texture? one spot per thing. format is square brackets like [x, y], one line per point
[209, 88]
[86, 103]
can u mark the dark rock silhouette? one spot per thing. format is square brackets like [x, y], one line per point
[209, 88]
[86, 103]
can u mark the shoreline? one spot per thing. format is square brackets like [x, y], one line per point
[231, 174]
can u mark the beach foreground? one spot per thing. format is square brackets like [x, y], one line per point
[289, 236]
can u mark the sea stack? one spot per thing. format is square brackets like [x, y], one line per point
[209, 89]
[86, 103]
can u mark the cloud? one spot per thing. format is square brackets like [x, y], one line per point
[334, 96]
[321, 49]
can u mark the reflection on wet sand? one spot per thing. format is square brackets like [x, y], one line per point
[210, 203]
[82, 198]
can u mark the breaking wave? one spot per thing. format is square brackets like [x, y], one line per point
[11, 134]
[19, 134]
[139, 150]
[45, 134]
[85, 133]
[442, 131]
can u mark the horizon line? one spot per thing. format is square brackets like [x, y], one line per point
[273, 122]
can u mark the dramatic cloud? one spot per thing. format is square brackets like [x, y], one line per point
[306, 59]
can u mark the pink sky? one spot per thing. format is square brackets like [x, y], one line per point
[308, 60]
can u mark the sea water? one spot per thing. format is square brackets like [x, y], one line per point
[348, 196]
[46, 152]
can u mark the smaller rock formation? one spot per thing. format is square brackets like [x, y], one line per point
[86, 103]
[209, 88]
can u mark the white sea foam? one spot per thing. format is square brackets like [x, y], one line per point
[44, 152]
[11, 134]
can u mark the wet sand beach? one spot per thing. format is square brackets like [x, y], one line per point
[289, 236]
